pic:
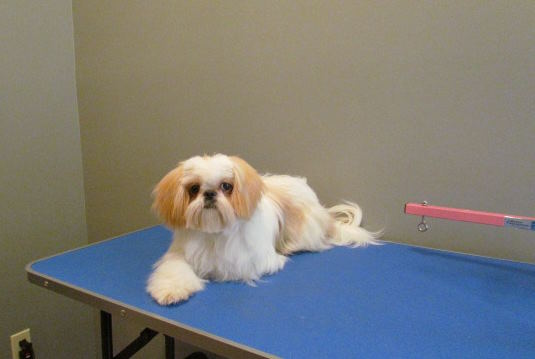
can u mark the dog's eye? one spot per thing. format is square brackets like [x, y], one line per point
[226, 187]
[193, 190]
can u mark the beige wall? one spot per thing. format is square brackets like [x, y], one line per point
[41, 187]
[379, 103]
[376, 102]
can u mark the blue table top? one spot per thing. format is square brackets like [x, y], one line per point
[375, 302]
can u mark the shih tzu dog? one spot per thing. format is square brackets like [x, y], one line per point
[232, 224]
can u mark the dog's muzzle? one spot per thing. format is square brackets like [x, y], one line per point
[209, 199]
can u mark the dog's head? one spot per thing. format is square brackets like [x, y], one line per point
[208, 193]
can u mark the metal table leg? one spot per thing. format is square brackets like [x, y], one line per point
[106, 335]
[169, 347]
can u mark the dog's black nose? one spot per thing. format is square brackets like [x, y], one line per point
[209, 195]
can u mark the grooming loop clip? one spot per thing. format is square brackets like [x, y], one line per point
[423, 226]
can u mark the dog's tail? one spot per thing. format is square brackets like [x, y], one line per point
[348, 232]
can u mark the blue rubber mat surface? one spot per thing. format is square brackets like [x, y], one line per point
[375, 302]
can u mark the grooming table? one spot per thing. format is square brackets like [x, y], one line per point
[375, 302]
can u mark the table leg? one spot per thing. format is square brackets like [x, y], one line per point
[106, 335]
[107, 340]
[169, 347]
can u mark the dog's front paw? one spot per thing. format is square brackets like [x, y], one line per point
[170, 290]
[173, 280]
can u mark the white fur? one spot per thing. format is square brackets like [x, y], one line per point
[218, 245]
[243, 251]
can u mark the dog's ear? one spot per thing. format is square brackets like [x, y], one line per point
[247, 190]
[170, 199]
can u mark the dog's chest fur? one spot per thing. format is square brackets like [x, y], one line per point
[243, 252]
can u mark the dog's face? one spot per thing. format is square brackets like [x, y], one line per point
[208, 193]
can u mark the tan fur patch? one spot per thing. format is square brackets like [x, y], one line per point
[294, 217]
[170, 199]
[332, 231]
[248, 187]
